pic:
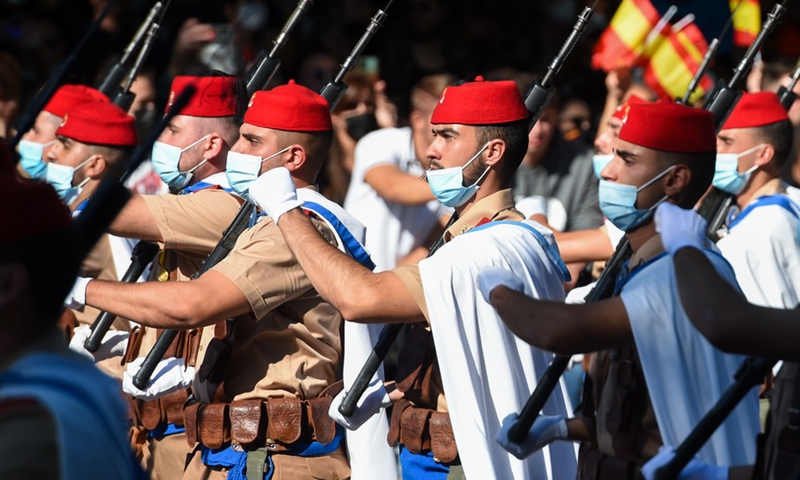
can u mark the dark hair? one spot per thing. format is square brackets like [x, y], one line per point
[779, 135]
[515, 136]
[52, 265]
[240, 96]
[702, 167]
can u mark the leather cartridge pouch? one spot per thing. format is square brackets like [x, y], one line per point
[207, 383]
[423, 430]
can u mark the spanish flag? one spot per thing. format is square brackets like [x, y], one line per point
[746, 21]
[622, 43]
[674, 59]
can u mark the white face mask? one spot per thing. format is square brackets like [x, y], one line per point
[447, 184]
[60, 177]
[726, 171]
[243, 169]
[166, 162]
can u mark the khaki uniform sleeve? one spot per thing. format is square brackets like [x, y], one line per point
[409, 275]
[192, 223]
[264, 268]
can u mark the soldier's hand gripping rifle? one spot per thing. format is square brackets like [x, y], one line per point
[536, 101]
[28, 117]
[716, 204]
[720, 105]
[263, 69]
[332, 92]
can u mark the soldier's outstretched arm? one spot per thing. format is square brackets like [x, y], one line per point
[174, 305]
[561, 328]
[359, 294]
[136, 221]
[726, 318]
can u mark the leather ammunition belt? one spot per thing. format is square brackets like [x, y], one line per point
[423, 430]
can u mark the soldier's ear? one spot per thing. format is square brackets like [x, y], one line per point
[494, 151]
[678, 181]
[765, 155]
[296, 157]
[96, 166]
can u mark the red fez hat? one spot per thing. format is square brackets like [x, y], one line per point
[670, 127]
[289, 107]
[29, 209]
[214, 96]
[99, 123]
[756, 110]
[480, 103]
[68, 97]
[622, 110]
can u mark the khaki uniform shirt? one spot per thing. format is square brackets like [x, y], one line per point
[495, 207]
[289, 345]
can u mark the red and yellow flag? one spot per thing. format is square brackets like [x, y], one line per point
[623, 41]
[673, 61]
[746, 21]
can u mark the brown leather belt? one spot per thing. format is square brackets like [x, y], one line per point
[423, 430]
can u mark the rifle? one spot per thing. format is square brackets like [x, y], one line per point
[28, 118]
[720, 106]
[141, 256]
[716, 204]
[787, 95]
[536, 101]
[263, 69]
[332, 92]
[124, 98]
[110, 86]
[111, 195]
[750, 374]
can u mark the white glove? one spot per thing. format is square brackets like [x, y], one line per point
[530, 206]
[374, 398]
[545, 430]
[696, 469]
[169, 376]
[76, 299]
[113, 344]
[275, 192]
[491, 278]
[679, 227]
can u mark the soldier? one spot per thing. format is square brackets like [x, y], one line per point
[651, 338]
[760, 236]
[43, 133]
[282, 350]
[93, 139]
[442, 419]
[190, 157]
[732, 324]
[60, 417]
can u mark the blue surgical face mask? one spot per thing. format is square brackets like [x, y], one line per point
[243, 169]
[600, 161]
[60, 177]
[166, 162]
[447, 184]
[30, 157]
[726, 172]
[618, 202]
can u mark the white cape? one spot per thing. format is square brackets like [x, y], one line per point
[487, 371]
[370, 455]
[685, 374]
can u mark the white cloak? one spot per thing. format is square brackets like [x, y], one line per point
[487, 372]
[685, 374]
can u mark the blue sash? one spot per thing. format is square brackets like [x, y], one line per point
[551, 252]
[779, 199]
[236, 462]
[204, 186]
[79, 208]
[418, 466]
[165, 430]
[352, 246]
